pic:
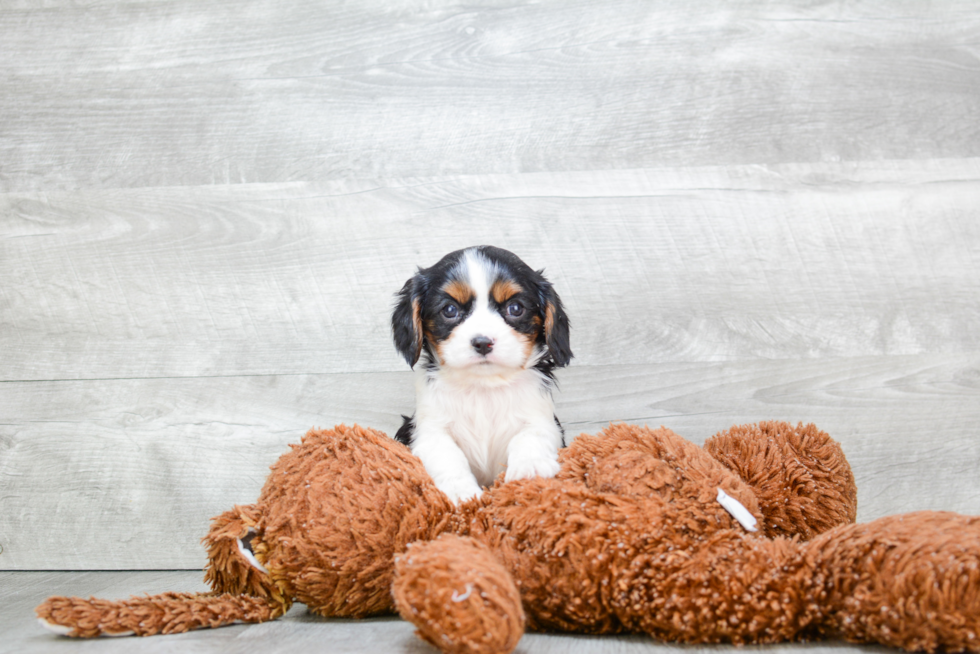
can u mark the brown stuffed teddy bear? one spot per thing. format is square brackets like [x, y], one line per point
[640, 532]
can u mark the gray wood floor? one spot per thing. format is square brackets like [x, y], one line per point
[297, 631]
[751, 210]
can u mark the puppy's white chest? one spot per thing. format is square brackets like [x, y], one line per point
[483, 419]
[484, 434]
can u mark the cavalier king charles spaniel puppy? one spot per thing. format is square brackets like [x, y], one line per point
[489, 331]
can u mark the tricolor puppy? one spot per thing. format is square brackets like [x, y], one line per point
[489, 331]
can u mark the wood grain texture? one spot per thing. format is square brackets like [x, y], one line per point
[148, 462]
[271, 91]
[298, 630]
[751, 210]
[711, 264]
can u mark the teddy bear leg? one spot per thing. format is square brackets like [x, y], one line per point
[167, 613]
[459, 596]
[910, 581]
[800, 476]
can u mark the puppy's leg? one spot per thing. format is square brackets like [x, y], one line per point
[533, 452]
[445, 462]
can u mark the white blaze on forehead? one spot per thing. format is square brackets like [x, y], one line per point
[480, 273]
[483, 320]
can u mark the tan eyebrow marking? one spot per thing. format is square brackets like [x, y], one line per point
[504, 289]
[459, 291]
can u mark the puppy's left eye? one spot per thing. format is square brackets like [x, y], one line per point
[515, 309]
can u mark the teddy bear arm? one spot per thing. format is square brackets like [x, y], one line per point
[631, 460]
[459, 596]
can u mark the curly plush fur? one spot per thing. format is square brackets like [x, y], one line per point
[628, 537]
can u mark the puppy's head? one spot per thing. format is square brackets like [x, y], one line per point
[481, 309]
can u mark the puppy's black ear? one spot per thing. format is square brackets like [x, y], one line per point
[406, 320]
[556, 327]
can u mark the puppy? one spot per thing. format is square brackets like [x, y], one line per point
[489, 332]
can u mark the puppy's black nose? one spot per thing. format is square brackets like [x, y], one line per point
[482, 344]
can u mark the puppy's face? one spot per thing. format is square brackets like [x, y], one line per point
[481, 309]
[479, 315]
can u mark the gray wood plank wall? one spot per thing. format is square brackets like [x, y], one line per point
[752, 211]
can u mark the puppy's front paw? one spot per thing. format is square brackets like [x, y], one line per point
[459, 489]
[529, 467]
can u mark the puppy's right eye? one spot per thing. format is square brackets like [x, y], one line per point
[450, 311]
